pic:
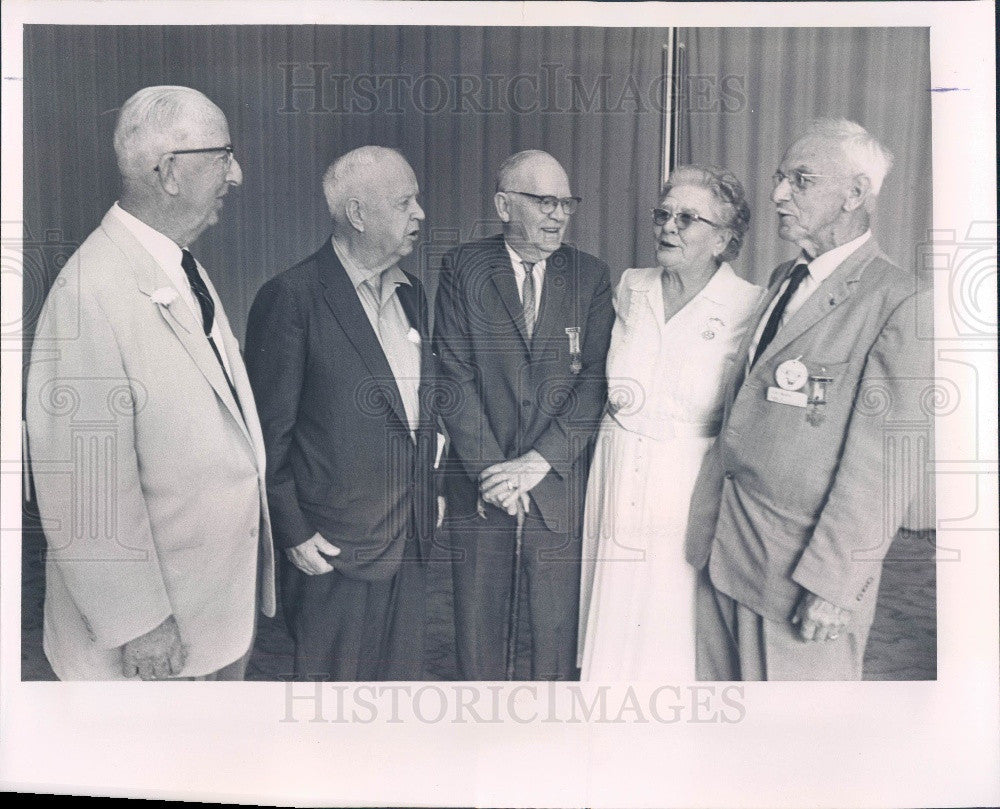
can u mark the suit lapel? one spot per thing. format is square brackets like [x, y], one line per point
[502, 276]
[342, 298]
[838, 287]
[557, 300]
[177, 315]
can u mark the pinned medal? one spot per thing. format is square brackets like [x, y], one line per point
[791, 375]
[817, 397]
[573, 333]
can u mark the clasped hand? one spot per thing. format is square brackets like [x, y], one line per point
[506, 484]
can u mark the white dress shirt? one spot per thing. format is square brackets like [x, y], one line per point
[400, 342]
[167, 254]
[537, 272]
[820, 268]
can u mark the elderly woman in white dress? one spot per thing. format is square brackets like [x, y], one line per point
[676, 333]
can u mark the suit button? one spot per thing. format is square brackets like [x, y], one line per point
[729, 475]
[526, 403]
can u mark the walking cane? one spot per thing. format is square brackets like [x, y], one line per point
[515, 598]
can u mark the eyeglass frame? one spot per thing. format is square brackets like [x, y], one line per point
[228, 149]
[568, 204]
[676, 216]
[779, 177]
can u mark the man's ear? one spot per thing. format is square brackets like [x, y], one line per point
[857, 192]
[167, 176]
[355, 211]
[502, 205]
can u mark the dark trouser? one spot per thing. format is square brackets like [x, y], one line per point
[735, 643]
[482, 562]
[350, 629]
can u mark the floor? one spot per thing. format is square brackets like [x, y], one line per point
[902, 644]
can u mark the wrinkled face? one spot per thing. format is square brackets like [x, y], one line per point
[203, 179]
[533, 234]
[696, 247]
[806, 215]
[392, 212]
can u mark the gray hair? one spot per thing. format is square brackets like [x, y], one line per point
[154, 121]
[347, 175]
[510, 166]
[729, 195]
[862, 151]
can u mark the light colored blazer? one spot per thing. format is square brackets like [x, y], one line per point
[792, 497]
[150, 483]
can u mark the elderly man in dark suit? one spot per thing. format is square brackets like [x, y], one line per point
[799, 498]
[339, 357]
[522, 326]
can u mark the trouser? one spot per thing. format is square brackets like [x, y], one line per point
[482, 563]
[349, 629]
[735, 643]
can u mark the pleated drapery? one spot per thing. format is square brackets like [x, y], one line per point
[455, 100]
[770, 81]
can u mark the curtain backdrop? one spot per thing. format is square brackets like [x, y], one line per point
[879, 77]
[456, 101]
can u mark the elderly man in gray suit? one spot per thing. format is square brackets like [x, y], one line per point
[159, 533]
[793, 512]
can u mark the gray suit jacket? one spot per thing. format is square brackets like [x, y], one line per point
[811, 497]
[150, 483]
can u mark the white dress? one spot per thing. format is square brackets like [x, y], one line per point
[665, 385]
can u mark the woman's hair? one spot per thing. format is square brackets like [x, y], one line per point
[728, 193]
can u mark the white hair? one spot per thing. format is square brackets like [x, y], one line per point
[349, 174]
[862, 151]
[155, 120]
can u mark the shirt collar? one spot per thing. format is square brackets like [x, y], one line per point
[821, 267]
[359, 275]
[721, 286]
[518, 263]
[162, 248]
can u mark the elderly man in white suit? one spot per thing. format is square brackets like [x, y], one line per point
[159, 540]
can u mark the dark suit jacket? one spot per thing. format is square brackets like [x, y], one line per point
[340, 457]
[785, 501]
[502, 396]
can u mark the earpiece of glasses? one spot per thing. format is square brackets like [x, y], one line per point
[799, 180]
[228, 149]
[547, 203]
[684, 219]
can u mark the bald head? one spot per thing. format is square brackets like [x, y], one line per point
[524, 167]
[157, 120]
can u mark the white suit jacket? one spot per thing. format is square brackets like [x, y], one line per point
[150, 483]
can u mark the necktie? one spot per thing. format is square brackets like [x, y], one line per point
[528, 298]
[200, 290]
[774, 321]
[204, 298]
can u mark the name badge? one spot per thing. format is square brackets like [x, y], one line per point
[795, 398]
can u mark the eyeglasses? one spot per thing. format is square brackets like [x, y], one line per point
[684, 219]
[228, 149]
[548, 203]
[799, 180]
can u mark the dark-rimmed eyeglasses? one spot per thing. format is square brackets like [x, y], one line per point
[548, 203]
[228, 149]
[797, 179]
[684, 219]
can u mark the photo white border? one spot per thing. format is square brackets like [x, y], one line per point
[824, 744]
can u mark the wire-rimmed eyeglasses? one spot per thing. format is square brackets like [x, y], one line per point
[797, 179]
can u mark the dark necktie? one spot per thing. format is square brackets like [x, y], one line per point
[528, 298]
[774, 321]
[204, 298]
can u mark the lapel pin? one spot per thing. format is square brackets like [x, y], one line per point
[791, 375]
